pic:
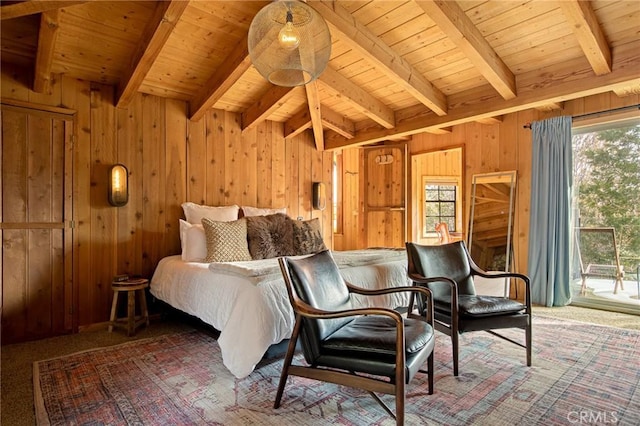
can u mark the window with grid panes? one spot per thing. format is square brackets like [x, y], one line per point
[440, 206]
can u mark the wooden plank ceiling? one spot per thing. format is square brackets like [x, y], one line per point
[397, 68]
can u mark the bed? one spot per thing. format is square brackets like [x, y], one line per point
[247, 300]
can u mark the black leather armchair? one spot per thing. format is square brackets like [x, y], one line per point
[448, 271]
[375, 349]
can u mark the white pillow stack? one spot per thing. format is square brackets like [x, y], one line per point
[192, 236]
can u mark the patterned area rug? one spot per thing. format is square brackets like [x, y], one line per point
[581, 374]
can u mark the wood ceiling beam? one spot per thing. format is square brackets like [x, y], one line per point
[337, 122]
[385, 59]
[559, 83]
[585, 26]
[234, 67]
[627, 91]
[360, 99]
[490, 120]
[298, 123]
[275, 97]
[154, 37]
[47, 37]
[552, 106]
[454, 22]
[26, 8]
[313, 101]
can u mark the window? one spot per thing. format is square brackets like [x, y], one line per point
[606, 191]
[337, 193]
[440, 205]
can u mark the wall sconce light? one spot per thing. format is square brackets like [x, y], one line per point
[118, 185]
[319, 196]
[384, 159]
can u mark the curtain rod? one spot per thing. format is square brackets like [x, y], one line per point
[597, 113]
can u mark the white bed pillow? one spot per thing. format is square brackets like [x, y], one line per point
[193, 241]
[257, 211]
[195, 212]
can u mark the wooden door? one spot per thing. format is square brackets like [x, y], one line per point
[385, 196]
[35, 220]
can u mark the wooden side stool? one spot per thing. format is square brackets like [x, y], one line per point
[131, 286]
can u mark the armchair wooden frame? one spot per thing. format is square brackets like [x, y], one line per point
[395, 385]
[450, 324]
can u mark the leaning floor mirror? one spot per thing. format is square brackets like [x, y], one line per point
[491, 222]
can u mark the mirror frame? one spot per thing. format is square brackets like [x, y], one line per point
[508, 177]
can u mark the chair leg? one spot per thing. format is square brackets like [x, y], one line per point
[454, 344]
[400, 395]
[284, 375]
[529, 342]
[431, 373]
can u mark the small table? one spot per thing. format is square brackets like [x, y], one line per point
[131, 286]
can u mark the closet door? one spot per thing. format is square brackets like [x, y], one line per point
[385, 196]
[35, 218]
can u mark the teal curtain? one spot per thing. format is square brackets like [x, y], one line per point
[550, 220]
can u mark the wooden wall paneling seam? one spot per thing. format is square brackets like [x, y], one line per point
[296, 176]
[249, 165]
[103, 217]
[136, 204]
[57, 252]
[14, 154]
[278, 166]
[197, 161]
[76, 96]
[38, 285]
[217, 158]
[263, 141]
[236, 172]
[176, 176]
[2, 180]
[153, 175]
[326, 219]
[69, 283]
[125, 154]
[315, 176]
[523, 185]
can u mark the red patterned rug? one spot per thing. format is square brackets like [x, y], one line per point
[581, 374]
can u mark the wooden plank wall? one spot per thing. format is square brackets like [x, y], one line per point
[170, 160]
[486, 148]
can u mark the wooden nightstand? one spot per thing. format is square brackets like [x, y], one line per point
[131, 322]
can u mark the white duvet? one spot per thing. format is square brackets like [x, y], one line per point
[248, 303]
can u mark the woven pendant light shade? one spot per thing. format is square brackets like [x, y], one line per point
[289, 43]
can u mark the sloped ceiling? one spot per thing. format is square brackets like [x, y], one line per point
[397, 68]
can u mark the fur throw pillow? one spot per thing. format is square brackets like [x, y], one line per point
[270, 236]
[278, 235]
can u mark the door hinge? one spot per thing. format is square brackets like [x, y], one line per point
[72, 224]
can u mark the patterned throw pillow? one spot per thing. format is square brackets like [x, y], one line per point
[226, 241]
[307, 236]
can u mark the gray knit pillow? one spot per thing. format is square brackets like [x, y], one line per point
[226, 241]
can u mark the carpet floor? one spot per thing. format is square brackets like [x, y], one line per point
[581, 373]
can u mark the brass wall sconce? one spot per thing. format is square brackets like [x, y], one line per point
[319, 196]
[118, 185]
